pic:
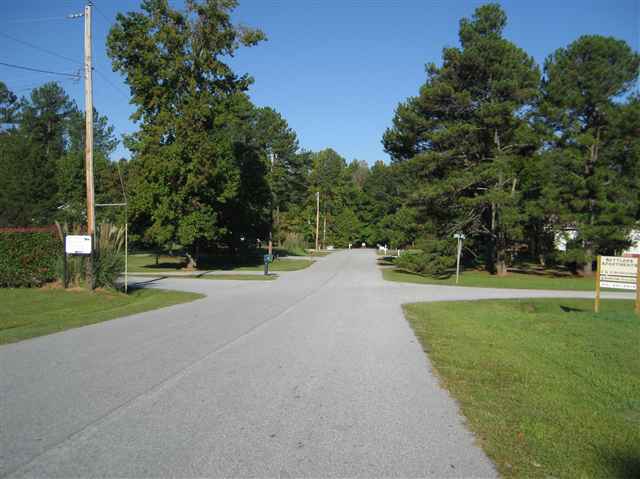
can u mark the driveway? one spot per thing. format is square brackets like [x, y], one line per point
[315, 374]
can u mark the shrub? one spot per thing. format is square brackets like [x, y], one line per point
[295, 244]
[28, 258]
[109, 260]
[435, 258]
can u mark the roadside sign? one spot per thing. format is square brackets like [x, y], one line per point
[618, 272]
[77, 244]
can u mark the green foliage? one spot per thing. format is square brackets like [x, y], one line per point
[294, 244]
[198, 174]
[592, 156]
[489, 149]
[466, 136]
[435, 258]
[42, 159]
[28, 259]
[109, 258]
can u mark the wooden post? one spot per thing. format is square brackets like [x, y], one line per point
[65, 279]
[638, 285]
[324, 232]
[88, 144]
[597, 303]
[317, 218]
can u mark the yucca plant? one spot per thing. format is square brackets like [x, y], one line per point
[108, 257]
[109, 260]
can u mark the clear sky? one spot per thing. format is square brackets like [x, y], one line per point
[334, 69]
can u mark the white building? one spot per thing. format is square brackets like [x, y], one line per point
[634, 249]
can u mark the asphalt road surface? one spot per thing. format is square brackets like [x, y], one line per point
[315, 374]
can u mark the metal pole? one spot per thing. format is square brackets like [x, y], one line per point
[458, 260]
[88, 147]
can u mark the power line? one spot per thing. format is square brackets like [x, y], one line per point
[111, 84]
[20, 67]
[106, 19]
[30, 20]
[31, 45]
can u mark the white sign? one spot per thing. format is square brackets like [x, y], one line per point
[619, 266]
[610, 284]
[618, 272]
[77, 244]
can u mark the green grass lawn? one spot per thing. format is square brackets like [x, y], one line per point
[238, 277]
[280, 265]
[146, 263]
[550, 388]
[483, 279]
[29, 312]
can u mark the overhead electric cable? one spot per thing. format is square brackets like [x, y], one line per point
[111, 84]
[31, 20]
[106, 19]
[20, 67]
[36, 47]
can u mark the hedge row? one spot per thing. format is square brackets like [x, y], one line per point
[28, 258]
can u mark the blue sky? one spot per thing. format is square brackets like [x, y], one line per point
[335, 70]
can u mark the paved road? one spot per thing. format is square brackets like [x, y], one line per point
[315, 374]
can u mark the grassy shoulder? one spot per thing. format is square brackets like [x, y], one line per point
[280, 265]
[149, 263]
[550, 388]
[482, 279]
[238, 277]
[27, 313]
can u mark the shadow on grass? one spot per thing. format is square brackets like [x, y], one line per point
[131, 287]
[622, 465]
[569, 309]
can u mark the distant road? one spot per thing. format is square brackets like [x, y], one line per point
[315, 374]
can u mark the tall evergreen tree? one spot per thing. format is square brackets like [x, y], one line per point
[594, 185]
[467, 136]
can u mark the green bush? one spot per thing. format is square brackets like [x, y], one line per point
[109, 259]
[28, 258]
[295, 244]
[435, 258]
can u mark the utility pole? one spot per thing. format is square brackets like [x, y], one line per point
[317, 217]
[88, 143]
[270, 248]
[324, 231]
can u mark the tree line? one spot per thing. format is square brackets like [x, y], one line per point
[511, 155]
[492, 145]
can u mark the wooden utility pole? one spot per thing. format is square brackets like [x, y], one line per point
[596, 306]
[324, 232]
[317, 217]
[638, 285]
[270, 248]
[88, 144]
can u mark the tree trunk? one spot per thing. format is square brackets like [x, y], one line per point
[501, 254]
[192, 263]
[587, 267]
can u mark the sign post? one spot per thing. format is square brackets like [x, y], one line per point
[596, 306]
[638, 286]
[267, 259]
[459, 237]
[618, 273]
